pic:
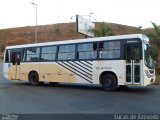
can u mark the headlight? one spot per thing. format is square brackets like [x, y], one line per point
[147, 73]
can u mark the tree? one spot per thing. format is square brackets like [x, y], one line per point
[155, 35]
[1, 50]
[102, 31]
[1, 47]
[155, 41]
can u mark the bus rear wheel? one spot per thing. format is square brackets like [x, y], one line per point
[109, 82]
[53, 83]
[34, 78]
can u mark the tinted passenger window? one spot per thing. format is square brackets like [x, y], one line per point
[87, 51]
[109, 50]
[15, 55]
[48, 53]
[33, 54]
[7, 57]
[66, 52]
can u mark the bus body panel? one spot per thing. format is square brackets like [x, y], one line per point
[115, 66]
[6, 67]
[54, 72]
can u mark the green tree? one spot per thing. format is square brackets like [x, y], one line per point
[1, 47]
[155, 41]
[102, 31]
[1, 50]
[155, 35]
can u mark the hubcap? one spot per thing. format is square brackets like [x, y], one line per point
[108, 83]
[33, 78]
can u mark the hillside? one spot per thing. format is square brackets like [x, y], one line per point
[54, 32]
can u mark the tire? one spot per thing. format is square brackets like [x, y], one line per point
[109, 82]
[53, 83]
[34, 78]
[123, 87]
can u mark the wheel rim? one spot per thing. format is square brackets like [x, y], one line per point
[33, 79]
[107, 82]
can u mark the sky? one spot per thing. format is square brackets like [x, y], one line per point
[20, 13]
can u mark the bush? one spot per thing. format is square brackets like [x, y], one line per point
[158, 71]
[157, 76]
[1, 47]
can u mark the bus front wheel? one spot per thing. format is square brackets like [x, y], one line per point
[34, 78]
[109, 82]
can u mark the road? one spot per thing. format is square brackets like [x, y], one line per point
[21, 98]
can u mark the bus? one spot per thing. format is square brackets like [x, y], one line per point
[111, 61]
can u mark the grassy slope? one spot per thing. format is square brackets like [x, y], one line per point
[61, 31]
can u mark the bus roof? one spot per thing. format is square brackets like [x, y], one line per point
[117, 37]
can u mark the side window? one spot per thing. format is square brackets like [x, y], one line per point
[33, 54]
[87, 51]
[48, 53]
[23, 54]
[66, 52]
[109, 50]
[15, 56]
[7, 56]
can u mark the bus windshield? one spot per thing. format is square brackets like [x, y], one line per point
[148, 56]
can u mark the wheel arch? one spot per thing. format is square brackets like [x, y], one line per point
[107, 72]
[33, 71]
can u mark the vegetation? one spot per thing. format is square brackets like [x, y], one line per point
[155, 41]
[1, 50]
[155, 35]
[68, 31]
[102, 31]
[1, 47]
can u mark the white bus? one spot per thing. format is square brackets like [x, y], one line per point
[110, 61]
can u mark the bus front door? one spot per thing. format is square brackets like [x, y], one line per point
[15, 67]
[132, 57]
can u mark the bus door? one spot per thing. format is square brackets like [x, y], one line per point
[15, 67]
[132, 57]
